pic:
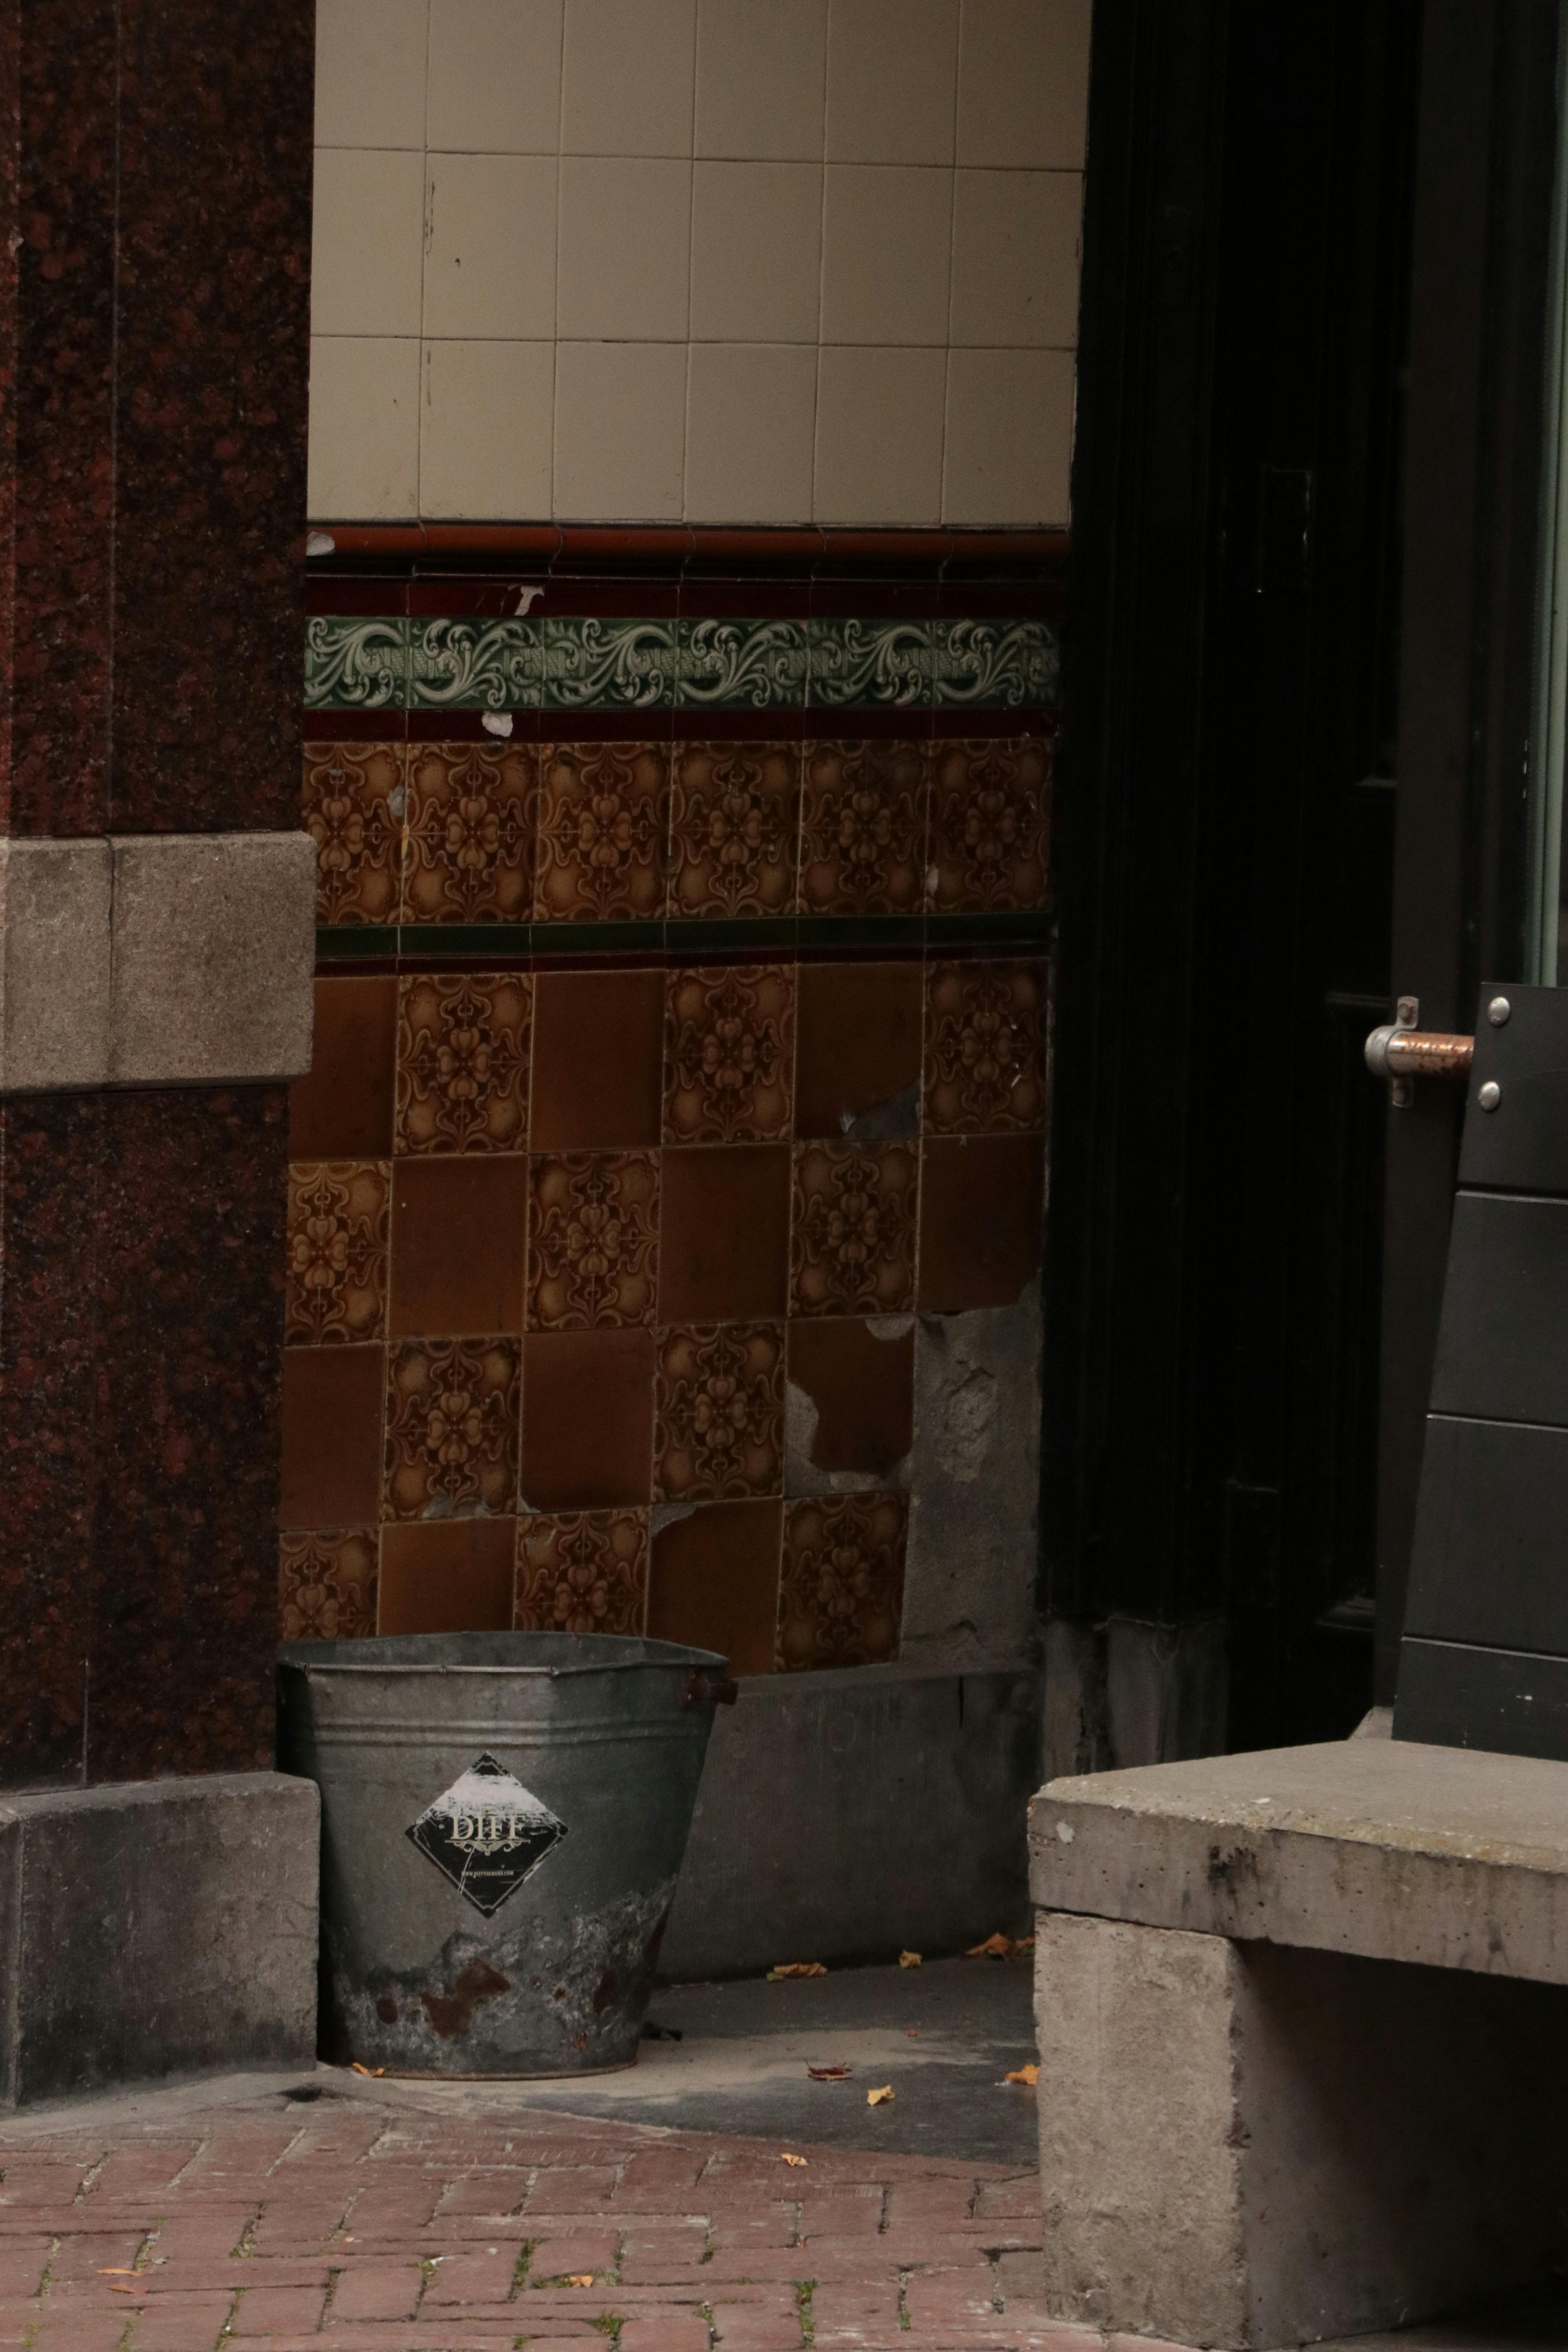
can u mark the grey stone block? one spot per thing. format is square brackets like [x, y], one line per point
[213, 955]
[844, 1816]
[1166, 1689]
[54, 964]
[156, 1927]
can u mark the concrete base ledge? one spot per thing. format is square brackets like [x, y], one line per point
[159, 1927]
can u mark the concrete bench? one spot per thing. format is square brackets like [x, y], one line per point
[1303, 2038]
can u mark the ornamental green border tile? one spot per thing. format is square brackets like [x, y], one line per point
[995, 665]
[879, 665]
[742, 665]
[476, 665]
[611, 665]
[355, 664]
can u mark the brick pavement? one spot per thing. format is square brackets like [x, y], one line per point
[378, 2224]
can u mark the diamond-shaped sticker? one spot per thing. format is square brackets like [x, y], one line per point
[487, 1832]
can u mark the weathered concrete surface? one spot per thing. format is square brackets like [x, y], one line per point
[1166, 1687]
[1075, 1717]
[156, 1927]
[54, 964]
[1248, 2146]
[971, 1561]
[1438, 1855]
[891, 1814]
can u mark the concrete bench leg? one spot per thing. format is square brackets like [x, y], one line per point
[1247, 2145]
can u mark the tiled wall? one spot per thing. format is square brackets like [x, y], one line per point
[741, 261]
[680, 1060]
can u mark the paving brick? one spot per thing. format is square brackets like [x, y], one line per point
[181, 2322]
[671, 2331]
[22, 2264]
[473, 2278]
[377, 2290]
[279, 2310]
[571, 2189]
[556, 2258]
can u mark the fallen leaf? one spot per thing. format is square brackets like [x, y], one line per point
[1027, 2075]
[371, 2071]
[827, 2074]
[797, 1969]
[910, 1960]
[913, 2031]
[793, 2159]
[882, 2098]
[120, 2273]
[1000, 1947]
[116, 2289]
[580, 2278]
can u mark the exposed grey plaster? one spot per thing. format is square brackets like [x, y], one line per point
[1074, 1726]
[54, 964]
[802, 1475]
[668, 1515]
[893, 1121]
[1166, 1689]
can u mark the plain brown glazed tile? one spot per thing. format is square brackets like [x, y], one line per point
[351, 806]
[582, 1573]
[339, 1228]
[592, 1239]
[862, 1390]
[327, 1585]
[719, 1423]
[990, 839]
[841, 1592]
[603, 818]
[471, 816]
[451, 1577]
[587, 1419]
[332, 1400]
[451, 1429]
[724, 1233]
[852, 1243]
[342, 1109]
[714, 1582]
[858, 1063]
[730, 1054]
[457, 1239]
[462, 1061]
[984, 1048]
[981, 1211]
[598, 1059]
[734, 827]
[863, 828]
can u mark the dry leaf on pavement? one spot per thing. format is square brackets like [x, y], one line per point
[581, 2278]
[827, 2074]
[797, 1969]
[882, 2098]
[1027, 2075]
[910, 1960]
[1000, 1947]
[791, 2159]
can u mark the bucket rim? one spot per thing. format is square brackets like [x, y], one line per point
[319, 1657]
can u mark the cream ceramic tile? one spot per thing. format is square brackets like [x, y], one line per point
[620, 431]
[364, 430]
[886, 235]
[495, 77]
[751, 411]
[625, 250]
[629, 77]
[1009, 437]
[1015, 257]
[370, 73]
[756, 252]
[490, 250]
[367, 243]
[485, 431]
[1022, 83]
[893, 75]
[761, 68]
[878, 436]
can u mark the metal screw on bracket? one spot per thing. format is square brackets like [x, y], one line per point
[1490, 1096]
[1497, 1011]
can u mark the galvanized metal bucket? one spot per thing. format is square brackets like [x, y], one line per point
[502, 1819]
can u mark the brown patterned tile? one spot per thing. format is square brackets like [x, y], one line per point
[858, 1061]
[353, 808]
[990, 824]
[451, 1429]
[734, 822]
[342, 1109]
[730, 1054]
[447, 1576]
[462, 1061]
[587, 1419]
[852, 1246]
[592, 1239]
[604, 812]
[582, 1573]
[724, 1233]
[854, 1385]
[327, 1585]
[457, 1242]
[472, 810]
[981, 1213]
[714, 1581]
[339, 1229]
[332, 1400]
[598, 1059]
[984, 1048]
[842, 1589]
[718, 1430]
[863, 824]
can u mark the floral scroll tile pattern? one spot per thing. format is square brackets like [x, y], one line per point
[990, 824]
[592, 1239]
[995, 665]
[842, 1587]
[730, 1054]
[452, 1420]
[471, 818]
[742, 665]
[879, 665]
[462, 1062]
[339, 1236]
[604, 811]
[984, 1048]
[475, 666]
[734, 821]
[327, 1585]
[609, 665]
[355, 664]
[853, 1237]
[352, 807]
[863, 827]
[582, 1573]
[719, 1412]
